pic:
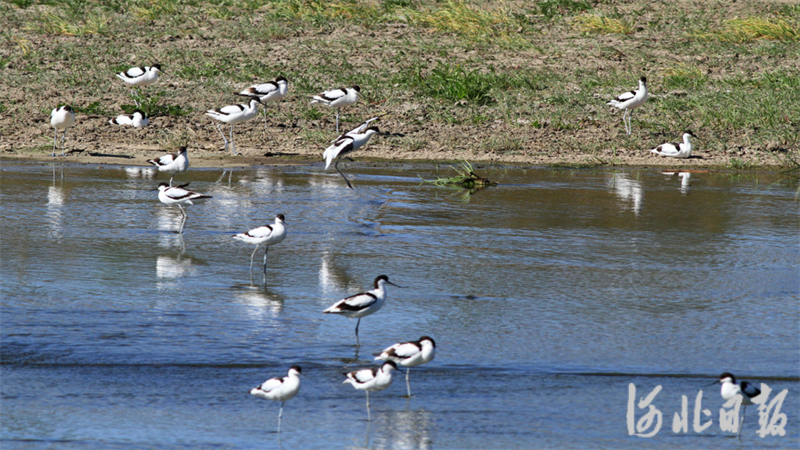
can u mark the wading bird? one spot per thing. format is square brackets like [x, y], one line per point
[363, 304]
[371, 380]
[630, 101]
[179, 196]
[409, 354]
[730, 389]
[61, 118]
[280, 389]
[348, 143]
[233, 114]
[266, 235]
[172, 163]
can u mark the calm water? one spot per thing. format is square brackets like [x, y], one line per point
[547, 297]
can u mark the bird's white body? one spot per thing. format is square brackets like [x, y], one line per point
[233, 114]
[174, 195]
[137, 119]
[140, 76]
[270, 91]
[410, 354]
[371, 380]
[347, 143]
[675, 150]
[279, 388]
[631, 100]
[362, 304]
[172, 163]
[338, 98]
[266, 235]
[61, 118]
[731, 389]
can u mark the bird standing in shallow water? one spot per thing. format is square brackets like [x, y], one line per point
[409, 354]
[363, 304]
[674, 150]
[140, 76]
[371, 380]
[233, 114]
[630, 101]
[179, 196]
[338, 98]
[348, 143]
[266, 235]
[730, 389]
[271, 91]
[61, 118]
[280, 389]
[172, 163]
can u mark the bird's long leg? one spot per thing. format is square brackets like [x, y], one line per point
[183, 219]
[265, 265]
[265, 120]
[219, 125]
[134, 95]
[358, 344]
[251, 264]
[170, 179]
[336, 166]
[741, 422]
[55, 140]
[337, 120]
[408, 385]
[233, 144]
[280, 415]
[63, 138]
[369, 416]
[630, 125]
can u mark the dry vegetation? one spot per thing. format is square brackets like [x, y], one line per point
[521, 82]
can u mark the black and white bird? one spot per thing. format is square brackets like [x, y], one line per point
[731, 389]
[280, 389]
[140, 76]
[266, 236]
[371, 380]
[172, 163]
[233, 114]
[363, 304]
[348, 143]
[675, 150]
[630, 101]
[177, 195]
[338, 98]
[61, 118]
[409, 354]
[271, 91]
[137, 119]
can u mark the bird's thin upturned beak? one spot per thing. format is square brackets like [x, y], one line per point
[393, 284]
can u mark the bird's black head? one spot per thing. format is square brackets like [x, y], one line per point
[297, 368]
[139, 111]
[357, 88]
[163, 184]
[280, 216]
[156, 66]
[68, 108]
[727, 375]
[689, 132]
[375, 129]
[281, 78]
[390, 363]
[428, 338]
[643, 79]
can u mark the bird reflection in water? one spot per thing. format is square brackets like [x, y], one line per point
[55, 202]
[627, 190]
[263, 302]
[406, 429]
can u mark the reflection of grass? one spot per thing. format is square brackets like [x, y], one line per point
[592, 23]
[755, 28]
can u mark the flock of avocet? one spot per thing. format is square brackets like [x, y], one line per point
[405, 354]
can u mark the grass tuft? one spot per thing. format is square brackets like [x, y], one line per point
[756, 28]
[551, 9]
[684, 76]
[593, 23]
[69, 22]
[465, 178]
[454, 83]
[472, 22]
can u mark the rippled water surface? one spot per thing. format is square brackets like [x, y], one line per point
[547, 297]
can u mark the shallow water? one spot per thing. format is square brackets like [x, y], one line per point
[547, 297]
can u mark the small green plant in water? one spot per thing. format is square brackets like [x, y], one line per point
[465, 178]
